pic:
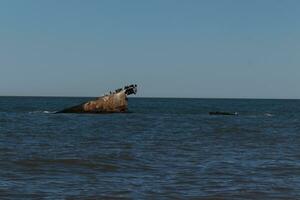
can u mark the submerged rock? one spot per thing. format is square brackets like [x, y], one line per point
[115, 102]
[223, 113]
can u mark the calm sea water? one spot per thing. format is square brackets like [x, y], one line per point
[163, 149]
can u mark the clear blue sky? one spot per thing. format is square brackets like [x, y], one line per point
[170, 48]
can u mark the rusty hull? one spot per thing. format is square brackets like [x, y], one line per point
[116, 102]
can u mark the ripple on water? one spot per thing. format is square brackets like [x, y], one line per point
[165, 149]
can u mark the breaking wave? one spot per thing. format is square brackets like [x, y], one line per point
[269, 115]
[42, 111]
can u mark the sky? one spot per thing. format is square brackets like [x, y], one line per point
[170, 48]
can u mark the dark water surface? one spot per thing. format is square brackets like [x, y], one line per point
[164, 149]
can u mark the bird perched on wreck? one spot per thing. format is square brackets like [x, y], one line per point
[115, 102]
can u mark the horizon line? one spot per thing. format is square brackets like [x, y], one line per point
[153, 97]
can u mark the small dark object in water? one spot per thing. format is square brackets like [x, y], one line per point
[223, 113]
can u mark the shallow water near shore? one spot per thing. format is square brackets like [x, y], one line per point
[162, 149]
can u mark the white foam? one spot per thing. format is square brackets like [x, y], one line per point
[269, 115]
[42, 111]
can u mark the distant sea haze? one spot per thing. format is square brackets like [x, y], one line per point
[162, 149]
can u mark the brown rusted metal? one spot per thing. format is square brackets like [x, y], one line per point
[115, 102]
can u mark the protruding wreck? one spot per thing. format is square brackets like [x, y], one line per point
[223, 113]
[114, 102]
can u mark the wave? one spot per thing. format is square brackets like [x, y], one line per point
[269, 115]
[42, 111]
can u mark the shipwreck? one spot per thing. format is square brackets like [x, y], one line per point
[113, 102]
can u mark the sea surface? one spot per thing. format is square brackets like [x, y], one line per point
[162, 149]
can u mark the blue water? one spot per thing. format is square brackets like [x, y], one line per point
[162, 149]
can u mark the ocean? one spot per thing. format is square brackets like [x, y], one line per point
[163, 148]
